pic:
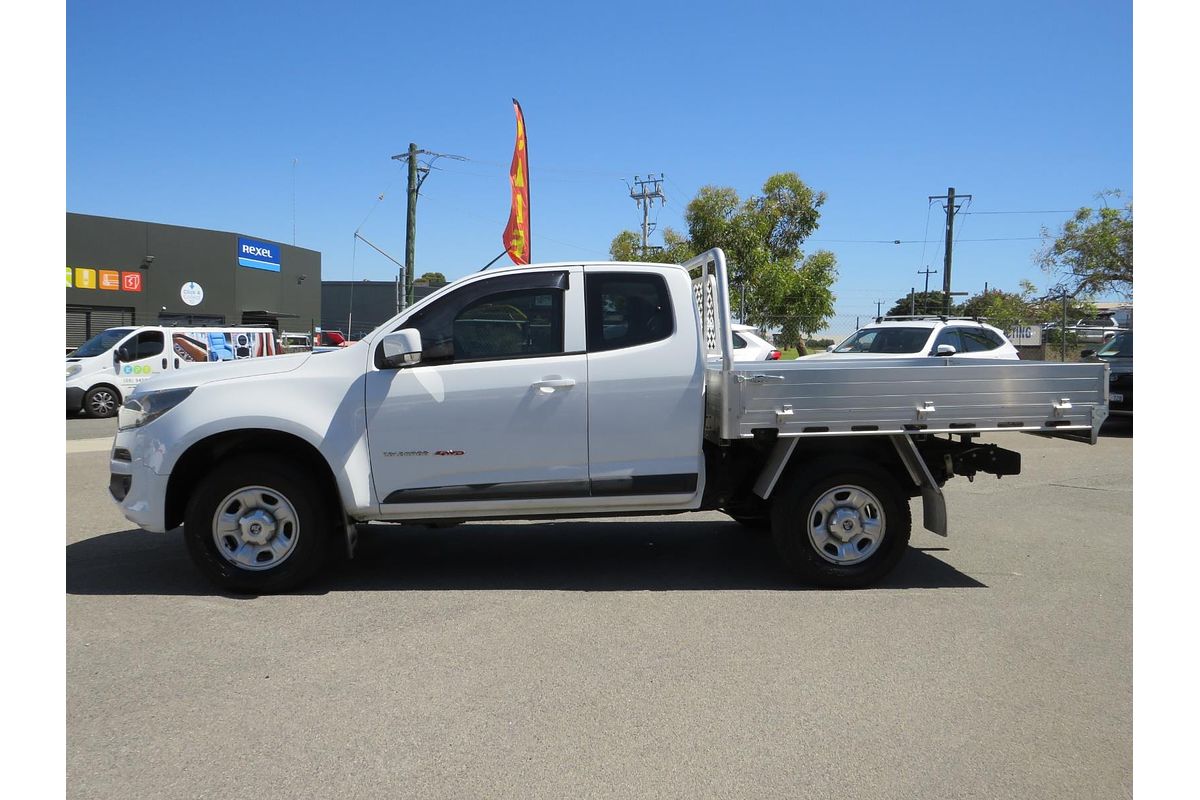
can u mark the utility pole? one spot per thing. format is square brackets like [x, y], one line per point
[645, 198]
[912, 301]
[417, 173]
[951, 209]
[878, 308]
[925, 298]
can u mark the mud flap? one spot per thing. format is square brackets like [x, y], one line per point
[933, 503]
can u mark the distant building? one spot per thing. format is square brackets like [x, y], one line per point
[363, 305]
[125, 272]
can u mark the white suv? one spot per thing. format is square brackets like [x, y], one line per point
[748, 345]
[909, 337]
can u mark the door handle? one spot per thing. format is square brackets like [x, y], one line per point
[550, 385]
[177, 363]
[164, 363]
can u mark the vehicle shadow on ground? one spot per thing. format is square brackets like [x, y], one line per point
[559, 556]
[1117, 427]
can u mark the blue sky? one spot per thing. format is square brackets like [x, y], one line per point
[194, 116]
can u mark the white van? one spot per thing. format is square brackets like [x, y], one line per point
[103, 370]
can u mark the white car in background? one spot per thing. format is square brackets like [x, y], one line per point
[748, 345]
[909, 337]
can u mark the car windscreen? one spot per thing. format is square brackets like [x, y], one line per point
[885, 340]
[100, 343]
[1120, 346]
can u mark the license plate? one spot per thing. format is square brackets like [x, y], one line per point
[1116, 397]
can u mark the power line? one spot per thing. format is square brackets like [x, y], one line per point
[924, 241]
[645, 198]
[1052, 211]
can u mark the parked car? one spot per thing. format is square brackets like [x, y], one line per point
[1094, 330]
[292, 342]
[909, 337]
[103, 371]
[327, 338]
[1118, 354]
[749, 346]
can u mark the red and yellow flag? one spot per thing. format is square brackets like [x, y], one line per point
[516, 234]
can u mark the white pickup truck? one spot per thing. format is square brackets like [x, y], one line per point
[572, 390]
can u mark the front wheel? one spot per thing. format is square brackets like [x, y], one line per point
[257, 525]
[101, 402]
[844, 530]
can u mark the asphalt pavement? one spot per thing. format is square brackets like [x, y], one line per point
[664, 657]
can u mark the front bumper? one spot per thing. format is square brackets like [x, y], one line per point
[138, 490]
[74, 398]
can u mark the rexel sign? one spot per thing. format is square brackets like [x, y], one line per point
[258, 255]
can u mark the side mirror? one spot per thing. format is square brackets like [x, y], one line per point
[122, 354]
[946, 350]
[829, 349]
[1087, 353]
[402, 348]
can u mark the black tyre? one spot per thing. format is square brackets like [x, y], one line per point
[101, 401]
[844, 530]
[258, 525]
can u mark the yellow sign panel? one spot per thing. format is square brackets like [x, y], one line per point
[70, 273]
[110, 279]
[85, 278]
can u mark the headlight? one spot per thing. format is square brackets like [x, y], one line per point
[73, 369]
[144, 408]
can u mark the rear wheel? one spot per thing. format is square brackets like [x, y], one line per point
[844, 530]
[258, 525]
[101, 401]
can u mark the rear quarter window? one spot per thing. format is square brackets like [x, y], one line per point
[627, 309]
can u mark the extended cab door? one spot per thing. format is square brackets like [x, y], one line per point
[494, 416]
[645, 385]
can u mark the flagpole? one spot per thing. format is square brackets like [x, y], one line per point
[494, 260]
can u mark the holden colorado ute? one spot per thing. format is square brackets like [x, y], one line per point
[573, 390]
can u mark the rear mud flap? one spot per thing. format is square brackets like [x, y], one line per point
[932, 501]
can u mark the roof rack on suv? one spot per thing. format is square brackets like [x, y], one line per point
[942, 317]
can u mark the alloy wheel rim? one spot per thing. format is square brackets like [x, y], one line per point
[255, 528]
[103, 402]
[846, 525]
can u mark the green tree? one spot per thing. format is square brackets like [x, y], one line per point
[433, 278]
[1093, 252]
[762, 237]
[999, 308]
[627, 246]
[925, 302]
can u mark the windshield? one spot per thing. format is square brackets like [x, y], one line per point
[100, 343]
[1120, 346]
[885, 340]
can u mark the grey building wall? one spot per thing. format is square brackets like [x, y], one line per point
[374, 303]
[165, 257]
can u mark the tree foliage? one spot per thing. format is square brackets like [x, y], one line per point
[924, 303]
[1093, 252]
[433, 278]
[762, 237]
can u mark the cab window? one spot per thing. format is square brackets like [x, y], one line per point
[510, 316]
[518, 324]
[626, 309]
